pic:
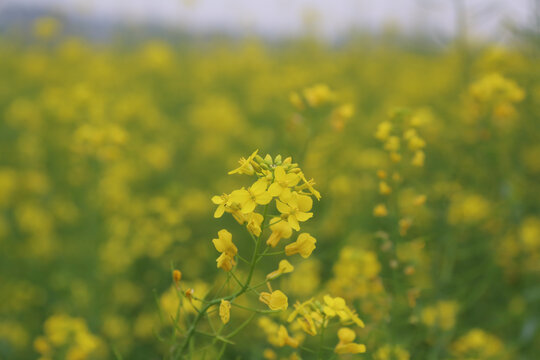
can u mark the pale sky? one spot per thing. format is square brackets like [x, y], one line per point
[283, 18]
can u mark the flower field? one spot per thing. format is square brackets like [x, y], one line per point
[396, 217]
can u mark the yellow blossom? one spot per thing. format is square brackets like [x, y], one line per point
[284, 267]
[228, 250]
[346, 343]
[246, 166]
[276, 300]
[280, 230]
[304, 245]
[225, 311]
[296, 209]
[254, 222]
[282, 183]
[249, 198]
[337, 306]
[222, 201]
[380, 210]
[309, 185]
[177, 276]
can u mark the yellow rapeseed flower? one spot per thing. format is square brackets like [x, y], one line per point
[225, 311]
[246, 165]
[249, 198]
[276, 300]
[346, 343]
[228, 250]
[280, 230]
[304, 245]
[296, 209]
[284, 267]
[282, 183]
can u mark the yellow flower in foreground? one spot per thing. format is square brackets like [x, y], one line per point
[228, 250]
[246, 166]
[282, 183]
[380, 210]
[276, 300]
[304, 245]
[225, 311]
[280, 230]
[296, 209]
[346, 345]
[249, 198]
[222, 201]
[284, 267]
[254, 222]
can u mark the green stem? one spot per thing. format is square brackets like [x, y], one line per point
[243, 289]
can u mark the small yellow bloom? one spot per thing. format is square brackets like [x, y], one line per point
[249, 198]
[228, 250]
[280, 230]
[282, 183]
[177, 276]
[296, 209]
[284, 267]
[225, 311]
[346, 343]
[254, 222]
[309, 185]
[380, 210]
[381, 174]
[276, 300]
[225, 262]
[222, 201]
[246, 166]
[304, 245]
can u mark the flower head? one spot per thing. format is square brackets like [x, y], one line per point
[225, 311]
[249, 198]
[304, 245]
[296, 209]
[276, 300]
[246, 166]
[228, 250]
[282, 183]
[284, 267]
[346, 343]
[280, 230]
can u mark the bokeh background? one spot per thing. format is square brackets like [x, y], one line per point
[120, 119]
